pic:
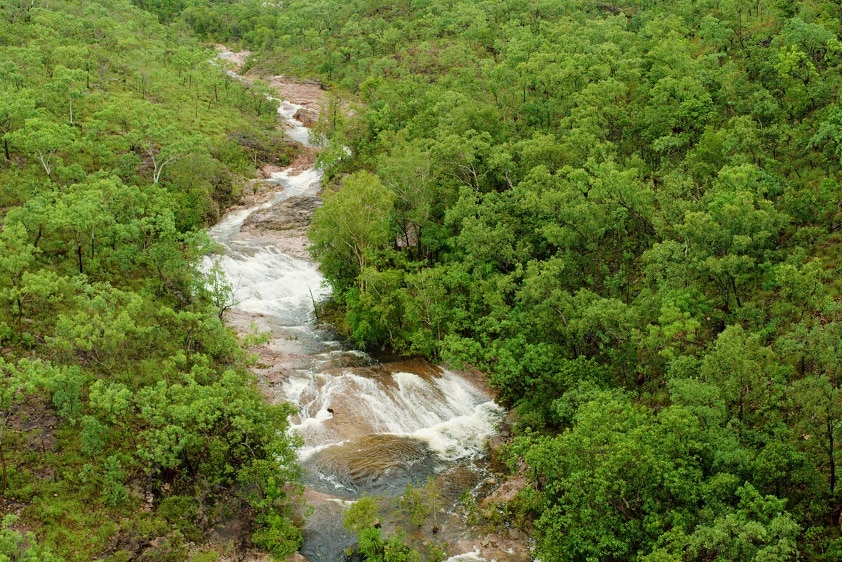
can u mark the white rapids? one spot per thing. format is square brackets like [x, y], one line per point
[264, 280]
[448, 413]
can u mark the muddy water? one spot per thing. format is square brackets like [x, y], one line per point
[367, 428]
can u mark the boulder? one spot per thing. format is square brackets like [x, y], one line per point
[307, 117]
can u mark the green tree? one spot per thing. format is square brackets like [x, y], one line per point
[758, 529]
[16, 258]
[362, 518]
[65, 86]
[19, 381]
[408, 174]
[43, 139]
[617, 480]
[353, 222]
[750, 377]
[174, 147]
[16, 546]
[819, 422]
[15, 107]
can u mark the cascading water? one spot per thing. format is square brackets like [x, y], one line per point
[367, 428]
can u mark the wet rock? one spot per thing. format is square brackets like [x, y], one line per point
[307, 93]
[307, 117]
[128, 543]
[341, 361]
[231, 530]
[254, 192]
[508, 489]
[159, 549]
[269, 169]
[237, 59]
[249, 556]
[295, 212]
[284, 225]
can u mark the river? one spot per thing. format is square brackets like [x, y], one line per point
[368, 428]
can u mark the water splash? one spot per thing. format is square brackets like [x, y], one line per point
[467, 557]
[448, 413]
[295, 128]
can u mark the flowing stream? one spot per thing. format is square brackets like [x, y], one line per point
[368, 428]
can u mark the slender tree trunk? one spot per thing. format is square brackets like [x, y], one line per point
[831, 457]
[5, 474]
[736, 294]
[418, 247]
[20, 313]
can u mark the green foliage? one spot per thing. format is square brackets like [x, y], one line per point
[361, 515]
[623, 482]
[362, 518]
[422, 505]
[627, 214]
[126, 410]
[632, 207]
[21, 547]
[351, 224]
[278, 535]
[757, 529]
[412, 504]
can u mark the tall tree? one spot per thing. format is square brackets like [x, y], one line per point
[353, 222]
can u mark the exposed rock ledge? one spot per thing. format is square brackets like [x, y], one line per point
[284, 225]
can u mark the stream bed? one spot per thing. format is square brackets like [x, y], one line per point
[368, 428]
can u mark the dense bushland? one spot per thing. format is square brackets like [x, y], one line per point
[629, 215]
[129, 424]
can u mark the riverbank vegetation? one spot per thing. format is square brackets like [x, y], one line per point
[129, 424]
[628, 213]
